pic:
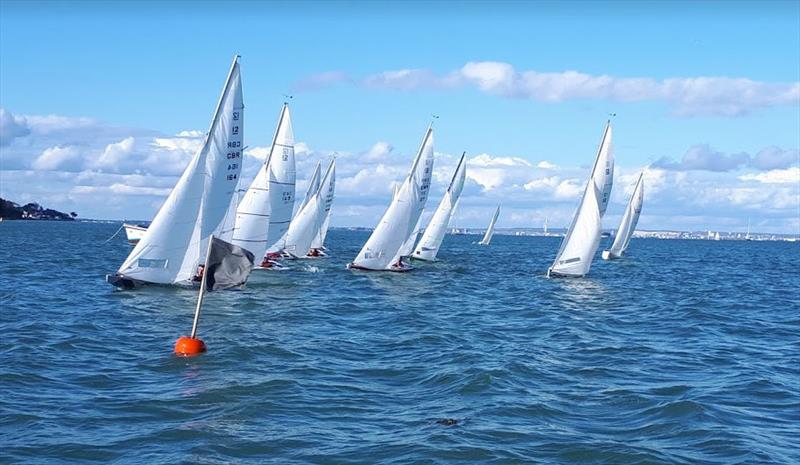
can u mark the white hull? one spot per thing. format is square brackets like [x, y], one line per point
[607, 255]
[134, 233]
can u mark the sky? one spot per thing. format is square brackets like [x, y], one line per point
[104, 103]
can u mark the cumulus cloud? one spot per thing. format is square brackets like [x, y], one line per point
[11, 127]
[100, 171]
[785, 176]
[687, 96]
[703, 157]
[57, 157]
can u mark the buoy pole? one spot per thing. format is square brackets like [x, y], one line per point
[188, 346]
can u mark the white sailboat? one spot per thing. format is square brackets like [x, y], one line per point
[318, 244]
[134, 232]
[577, 250]
[175, 242]
[428, 246]
[305, 226]
[382, 250]
[747, 236]
[487, 238]
[628, 224]
[264, 213]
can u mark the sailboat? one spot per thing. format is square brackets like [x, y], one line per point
[318, 243]
[577, 250]
[308, 221]
[428, 246]
[487, 238]
[747, 236]
[628, 224]
[174, 244]
[383, 249]
[264, 213]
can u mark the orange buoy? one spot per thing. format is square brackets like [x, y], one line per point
[189, 346]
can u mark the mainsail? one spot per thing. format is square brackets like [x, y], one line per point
[264, 213]
[174, 244]
[328, 192]
[432, 238]
[382, 249]
[577, 250]
[487, 238]
[628, 224]
[306, 224]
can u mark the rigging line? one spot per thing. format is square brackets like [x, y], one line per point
[115, 234]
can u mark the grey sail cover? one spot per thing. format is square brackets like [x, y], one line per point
[228, 265]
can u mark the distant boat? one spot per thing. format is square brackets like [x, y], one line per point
[174, 245]
[309, 220]
[577, 250]
[717, 237]
[628, 224]
[318, 243]
[134, 232]
[428, 246]
[747, 236]
[264, 213]
[487, 238]
[383, 249]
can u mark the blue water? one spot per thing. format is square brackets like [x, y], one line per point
[683, 352]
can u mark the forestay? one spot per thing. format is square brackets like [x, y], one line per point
[382, 249]
[265, 210]
[580, 244]
[487, 238]
[629, 220]
[174, 243]
[431, 241]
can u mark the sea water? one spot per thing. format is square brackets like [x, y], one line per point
[682, 352]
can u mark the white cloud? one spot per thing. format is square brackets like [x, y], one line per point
[57, 157]
[485, 159]
[785, 176]
[687, 96]
[11, 127]
[379, 151]
[114, 154]
[546, 165]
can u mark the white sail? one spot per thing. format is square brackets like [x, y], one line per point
[628, 224]
[382, 249]
[408, 246]
[170, 250]
[328, 192]
[265, 210]
[487, 238]
[306, 224]
[311, 190]
[577, 250]
[428, 246]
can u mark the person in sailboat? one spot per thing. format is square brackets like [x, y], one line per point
[313, 253]
[199, 276]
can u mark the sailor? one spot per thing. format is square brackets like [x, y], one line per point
[199, 276]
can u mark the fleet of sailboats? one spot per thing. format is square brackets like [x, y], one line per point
[264, 213]
[203, 206]
[574, 257]
[628, 223]
[313, 216]
[384, 250]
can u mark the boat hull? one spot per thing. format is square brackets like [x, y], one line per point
[394, 269]
[133, 232]
[607, 255]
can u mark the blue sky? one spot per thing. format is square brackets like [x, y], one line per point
[699, 89]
